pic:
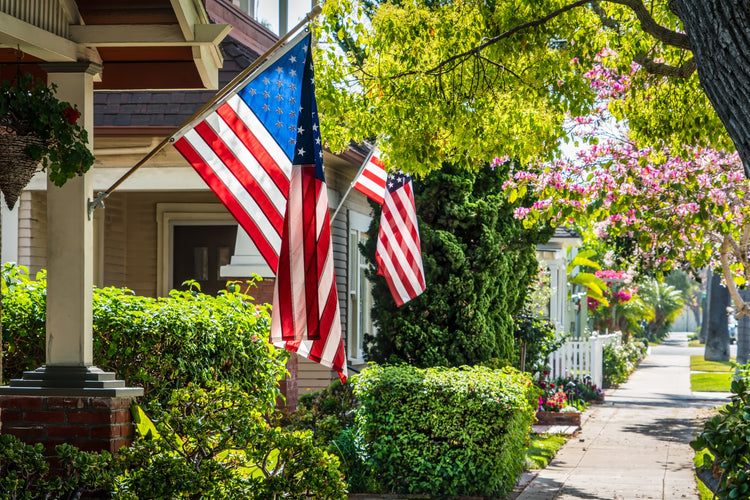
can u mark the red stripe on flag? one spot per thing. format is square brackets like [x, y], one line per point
[240, 172]
[374, 177]
[311, 249]
[254, 146]
[229, 200]
[285, 295]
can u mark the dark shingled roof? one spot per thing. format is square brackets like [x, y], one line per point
[166, 108]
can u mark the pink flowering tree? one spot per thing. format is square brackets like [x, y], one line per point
[680, 206]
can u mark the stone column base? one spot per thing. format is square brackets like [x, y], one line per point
[80, 405]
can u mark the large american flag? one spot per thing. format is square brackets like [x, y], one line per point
[398, 251]
[371, 179]
[259, 150]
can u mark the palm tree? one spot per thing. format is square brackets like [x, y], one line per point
[664, 303]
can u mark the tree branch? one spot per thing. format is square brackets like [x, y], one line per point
[661, 69]
[490, 41]
[650, 26]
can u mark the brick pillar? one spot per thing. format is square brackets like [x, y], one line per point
[88, 423]
[260, 291]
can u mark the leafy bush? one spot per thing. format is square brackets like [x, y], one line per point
[619, 361]
[442, 431]
[727, 437]
[478, 260]
[328, 412]
[25, 472]
[194, 338]
[218, 444]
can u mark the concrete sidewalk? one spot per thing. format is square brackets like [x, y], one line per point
[635, 445]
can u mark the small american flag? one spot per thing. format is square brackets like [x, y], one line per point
[259, 150]
[371, 180]
[398, 251]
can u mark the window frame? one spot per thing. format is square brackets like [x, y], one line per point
[358, 225]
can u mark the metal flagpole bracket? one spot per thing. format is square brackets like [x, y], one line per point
[97, 202]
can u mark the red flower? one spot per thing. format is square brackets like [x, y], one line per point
[72, 115]
[552, 386]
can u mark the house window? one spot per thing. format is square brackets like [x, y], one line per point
[360, 289]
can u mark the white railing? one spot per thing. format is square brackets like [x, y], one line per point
[581, 358]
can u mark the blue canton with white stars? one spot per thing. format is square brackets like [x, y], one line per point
[275, 95]
[396, 181]
[309, 149]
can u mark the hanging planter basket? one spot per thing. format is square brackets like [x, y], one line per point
[16, 167]
[38, 132]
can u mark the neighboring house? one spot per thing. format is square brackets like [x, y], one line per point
[163, 226]
[567, 314]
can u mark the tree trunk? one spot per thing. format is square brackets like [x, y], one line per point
[717, 336]
[719, 34]
[743, 333]
[706, 308]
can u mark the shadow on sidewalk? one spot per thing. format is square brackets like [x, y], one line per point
[666, 429]
[549, 488]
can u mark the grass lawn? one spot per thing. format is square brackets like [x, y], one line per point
[541, 450]
[710, 382]
[698, 364]
[696, 343]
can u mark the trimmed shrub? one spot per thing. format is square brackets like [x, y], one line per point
[160, 344]
[443, 431]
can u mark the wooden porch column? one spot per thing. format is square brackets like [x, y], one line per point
[70, 369]
[70, 247]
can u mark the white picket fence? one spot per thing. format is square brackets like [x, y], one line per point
[581, 358]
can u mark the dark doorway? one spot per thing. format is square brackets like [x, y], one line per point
[198, 254]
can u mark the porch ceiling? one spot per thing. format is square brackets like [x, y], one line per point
[141, 44]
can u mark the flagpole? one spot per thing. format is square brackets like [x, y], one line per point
[101, 196]
[361, 169]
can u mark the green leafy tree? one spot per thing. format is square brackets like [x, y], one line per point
[478, 262]
[458, 80]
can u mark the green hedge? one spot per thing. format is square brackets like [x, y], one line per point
[160, 344]
[443, 431]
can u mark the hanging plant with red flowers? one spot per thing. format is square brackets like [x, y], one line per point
[28, 108]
